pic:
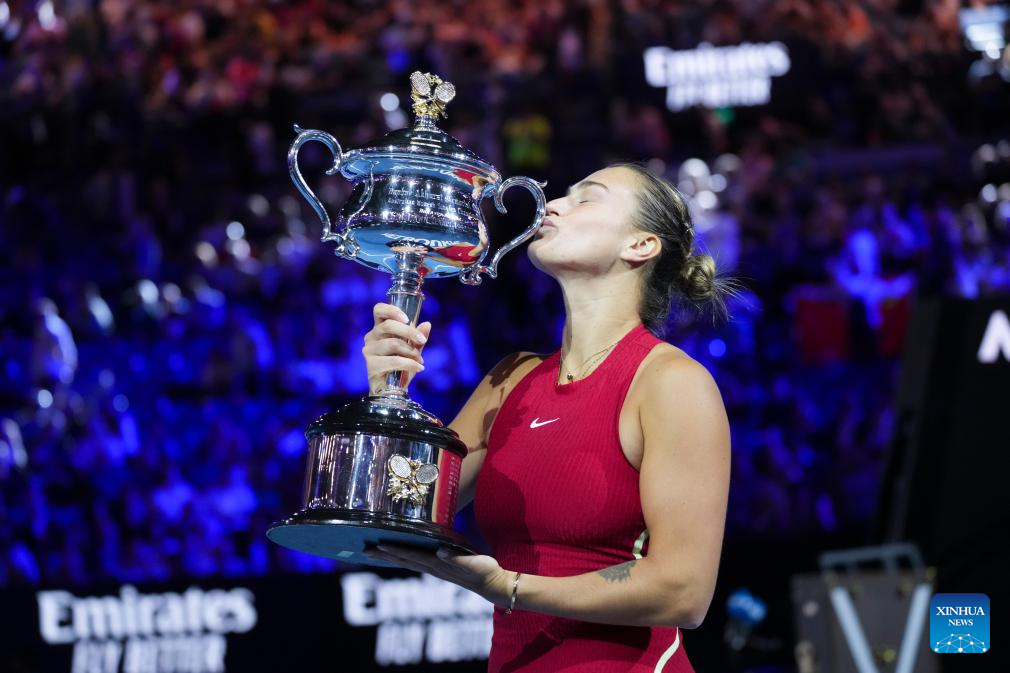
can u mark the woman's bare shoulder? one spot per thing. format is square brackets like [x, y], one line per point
[668, 368]
[512, 368]
[665, 355]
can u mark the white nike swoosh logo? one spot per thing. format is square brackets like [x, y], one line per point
[535, 424]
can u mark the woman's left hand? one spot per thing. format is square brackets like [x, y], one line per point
[480, 574]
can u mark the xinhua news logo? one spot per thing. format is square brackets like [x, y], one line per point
[959, 623]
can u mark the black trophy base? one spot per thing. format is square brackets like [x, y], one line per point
[343, 534]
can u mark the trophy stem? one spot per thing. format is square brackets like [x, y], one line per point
[405, 294]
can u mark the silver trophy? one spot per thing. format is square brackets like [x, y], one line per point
[382, 469]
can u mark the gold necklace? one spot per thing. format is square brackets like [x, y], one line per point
[593, 359]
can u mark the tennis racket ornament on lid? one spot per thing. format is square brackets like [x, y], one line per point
[382, 469]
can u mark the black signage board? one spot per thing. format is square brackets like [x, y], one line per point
[357, 620]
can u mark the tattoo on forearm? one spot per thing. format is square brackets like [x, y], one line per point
[618, 573]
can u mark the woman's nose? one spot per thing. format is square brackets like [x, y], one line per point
[554, 206]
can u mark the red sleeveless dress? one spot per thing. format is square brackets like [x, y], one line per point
[556, 497]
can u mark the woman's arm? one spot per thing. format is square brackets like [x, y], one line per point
[684, 489]
[684, 484]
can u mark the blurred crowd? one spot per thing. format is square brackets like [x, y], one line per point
[169, 321]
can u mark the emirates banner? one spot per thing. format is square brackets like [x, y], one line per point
[356, 621]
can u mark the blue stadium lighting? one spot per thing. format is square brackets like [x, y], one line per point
[47, 15]
[120, 403]
[235, 230]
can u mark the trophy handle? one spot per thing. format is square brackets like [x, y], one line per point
[306, 191]
[471, 275]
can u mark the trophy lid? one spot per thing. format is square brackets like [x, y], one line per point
[423, 145]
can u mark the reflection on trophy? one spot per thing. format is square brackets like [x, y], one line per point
[382, 469]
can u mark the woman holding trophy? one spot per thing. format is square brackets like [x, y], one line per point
[600, 472]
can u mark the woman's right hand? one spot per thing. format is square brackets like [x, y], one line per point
[393, 344]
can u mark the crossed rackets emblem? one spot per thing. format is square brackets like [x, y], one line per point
[410, 479]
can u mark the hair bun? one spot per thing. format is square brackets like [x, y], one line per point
[698, 278]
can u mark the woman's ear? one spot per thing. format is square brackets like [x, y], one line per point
[641, 248]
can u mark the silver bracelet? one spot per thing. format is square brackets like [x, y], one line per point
[515, 594]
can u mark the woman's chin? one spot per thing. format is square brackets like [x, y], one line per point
[532, 252]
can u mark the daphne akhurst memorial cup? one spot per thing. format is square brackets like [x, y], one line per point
[382, 469]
